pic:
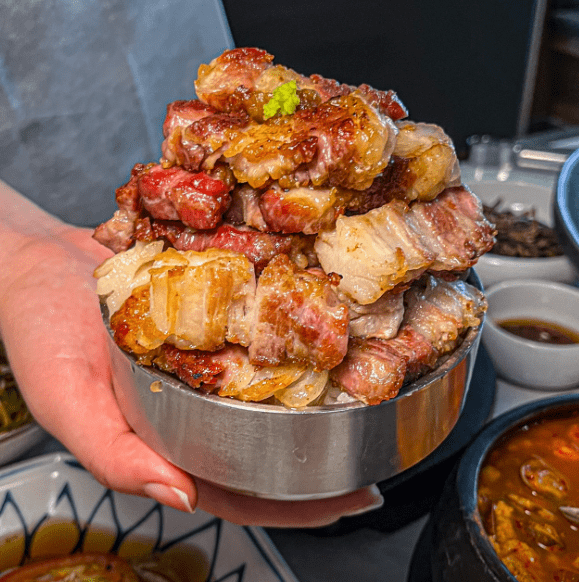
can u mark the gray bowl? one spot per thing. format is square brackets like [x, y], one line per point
[566, 208]
[273, 452]
[16, 442]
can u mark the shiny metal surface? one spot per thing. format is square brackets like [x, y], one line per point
[272, 452]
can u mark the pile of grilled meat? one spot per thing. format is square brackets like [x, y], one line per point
[309, 257]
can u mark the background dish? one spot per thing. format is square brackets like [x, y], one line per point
[521, 196]
[49, 490]
[460, 547]
[15, 443]
[526, 362]
[566, 207]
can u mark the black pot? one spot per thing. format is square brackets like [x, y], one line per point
[460, 548]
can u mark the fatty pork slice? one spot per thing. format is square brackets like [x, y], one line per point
[380, 319]
[175, 147]
[188, 299]
[438, 314]
[344, 142]
[240, 67]
[443, 310]
[396, 243]
[299, 318]
[259, 247]
[196, 199]
[454, 227]
[432, 162]
[373, 252]
[117, 233]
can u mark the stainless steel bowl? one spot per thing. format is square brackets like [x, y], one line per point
[273, 452]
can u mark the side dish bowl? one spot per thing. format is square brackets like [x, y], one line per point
[460, 548]
[16, 442]
[524, 361]
[519, 197]
[274, 452]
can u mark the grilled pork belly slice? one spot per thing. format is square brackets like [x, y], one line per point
[396, 243]
[275, 209]
[308, 210]
[199, 143]
[259, 247]
[298, 318]
[380, 319]
[176, 148]
[246, 78]
[431, 159]
[196, 199]
[373, 252]
[345, 142]
[454, 227]
[117, 233]
[240, 67]
[187, 299]
[374, 370]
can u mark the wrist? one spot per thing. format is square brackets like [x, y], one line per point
[21, 222]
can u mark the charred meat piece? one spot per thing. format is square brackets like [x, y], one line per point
[195, 199]
[218, 84]
[308, 210]
[344, 142]
[198, 143]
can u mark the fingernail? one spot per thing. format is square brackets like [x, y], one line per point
[377, 503]
[170, 496]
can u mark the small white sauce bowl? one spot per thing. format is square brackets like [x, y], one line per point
[527, 362]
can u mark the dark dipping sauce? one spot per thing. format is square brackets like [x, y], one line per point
[540, 331]
[523, 482]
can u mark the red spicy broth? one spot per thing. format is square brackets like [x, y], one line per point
[523, 482]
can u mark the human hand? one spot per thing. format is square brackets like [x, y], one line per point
[51, 325]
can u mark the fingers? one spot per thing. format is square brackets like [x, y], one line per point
[128, 465]
[246, 510]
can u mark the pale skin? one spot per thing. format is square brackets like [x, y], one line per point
[51, 325]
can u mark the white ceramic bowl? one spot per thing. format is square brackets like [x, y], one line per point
[520, 196]
[50, 505]
[526, 362]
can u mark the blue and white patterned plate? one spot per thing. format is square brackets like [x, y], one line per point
[40, 495]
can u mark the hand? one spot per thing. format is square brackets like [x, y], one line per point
[51, 325]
